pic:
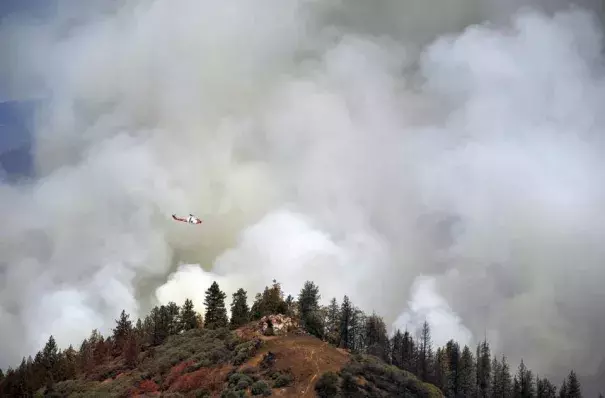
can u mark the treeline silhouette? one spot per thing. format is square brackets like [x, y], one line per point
[457, 371]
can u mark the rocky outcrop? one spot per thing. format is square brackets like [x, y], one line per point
[276, 325]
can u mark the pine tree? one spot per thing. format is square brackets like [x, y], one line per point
[216, 313]
[409, 353]
[483, 370]
[85, 359]
[158, 325]
[539, 387]
[573, 386]
[122, 330]
[430, 362]
[501, 379]
[397, 349]
[50, 358]
[441, 376]
[200, 320]
[69, 365]
[376, 339]
[507, 383]
[308, 299]
[131, 350]
[290, 306]
[39, 370]
[467, 373]
[6, 387]
[452, 351]
[308, 308]
[139, 329]
[100, 351]
[273, 300]
[497, 391]
[148, 328]
[187, 316]
[240, 313]
[270, 302]
[425, 352]
[346, 317]
[358, 321]
[32, 382]
[524, 382]
[333, 322]
[256, 312]
[23, 388]
[162, 322]
[563, 390]
[545, 389]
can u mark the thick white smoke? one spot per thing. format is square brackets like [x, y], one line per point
[427, 169]
[427, 305]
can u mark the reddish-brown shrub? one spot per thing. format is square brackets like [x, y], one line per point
[176, 371]
[148, 386]
[211, 379]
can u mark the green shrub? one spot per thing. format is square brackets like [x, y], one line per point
[280, 378]
[206, 348]
[72, 387]
[349, 384]
[327, 385]
[384, 378]
[283, 381]
[260, 388]
[240, 359]
[233, 394]
[232, 341]
[201, 394]
[240, 381]
[245, 350]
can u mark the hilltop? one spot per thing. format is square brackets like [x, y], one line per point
[280, 346]
[234, 363]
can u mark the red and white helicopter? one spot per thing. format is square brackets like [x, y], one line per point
[190, 220]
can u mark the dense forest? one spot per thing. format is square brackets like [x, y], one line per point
[457, 371]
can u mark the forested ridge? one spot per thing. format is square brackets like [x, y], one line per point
[148, 347]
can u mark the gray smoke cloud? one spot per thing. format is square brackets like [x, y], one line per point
[442, 165]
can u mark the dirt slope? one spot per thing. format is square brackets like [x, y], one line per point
[305, 358]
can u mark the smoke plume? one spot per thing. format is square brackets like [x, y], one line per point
[442, 165]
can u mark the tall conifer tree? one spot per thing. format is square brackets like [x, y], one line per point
[216, 313]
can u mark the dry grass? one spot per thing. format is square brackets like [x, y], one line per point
[305, 358]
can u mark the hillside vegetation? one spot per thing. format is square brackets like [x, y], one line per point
[331, 351]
